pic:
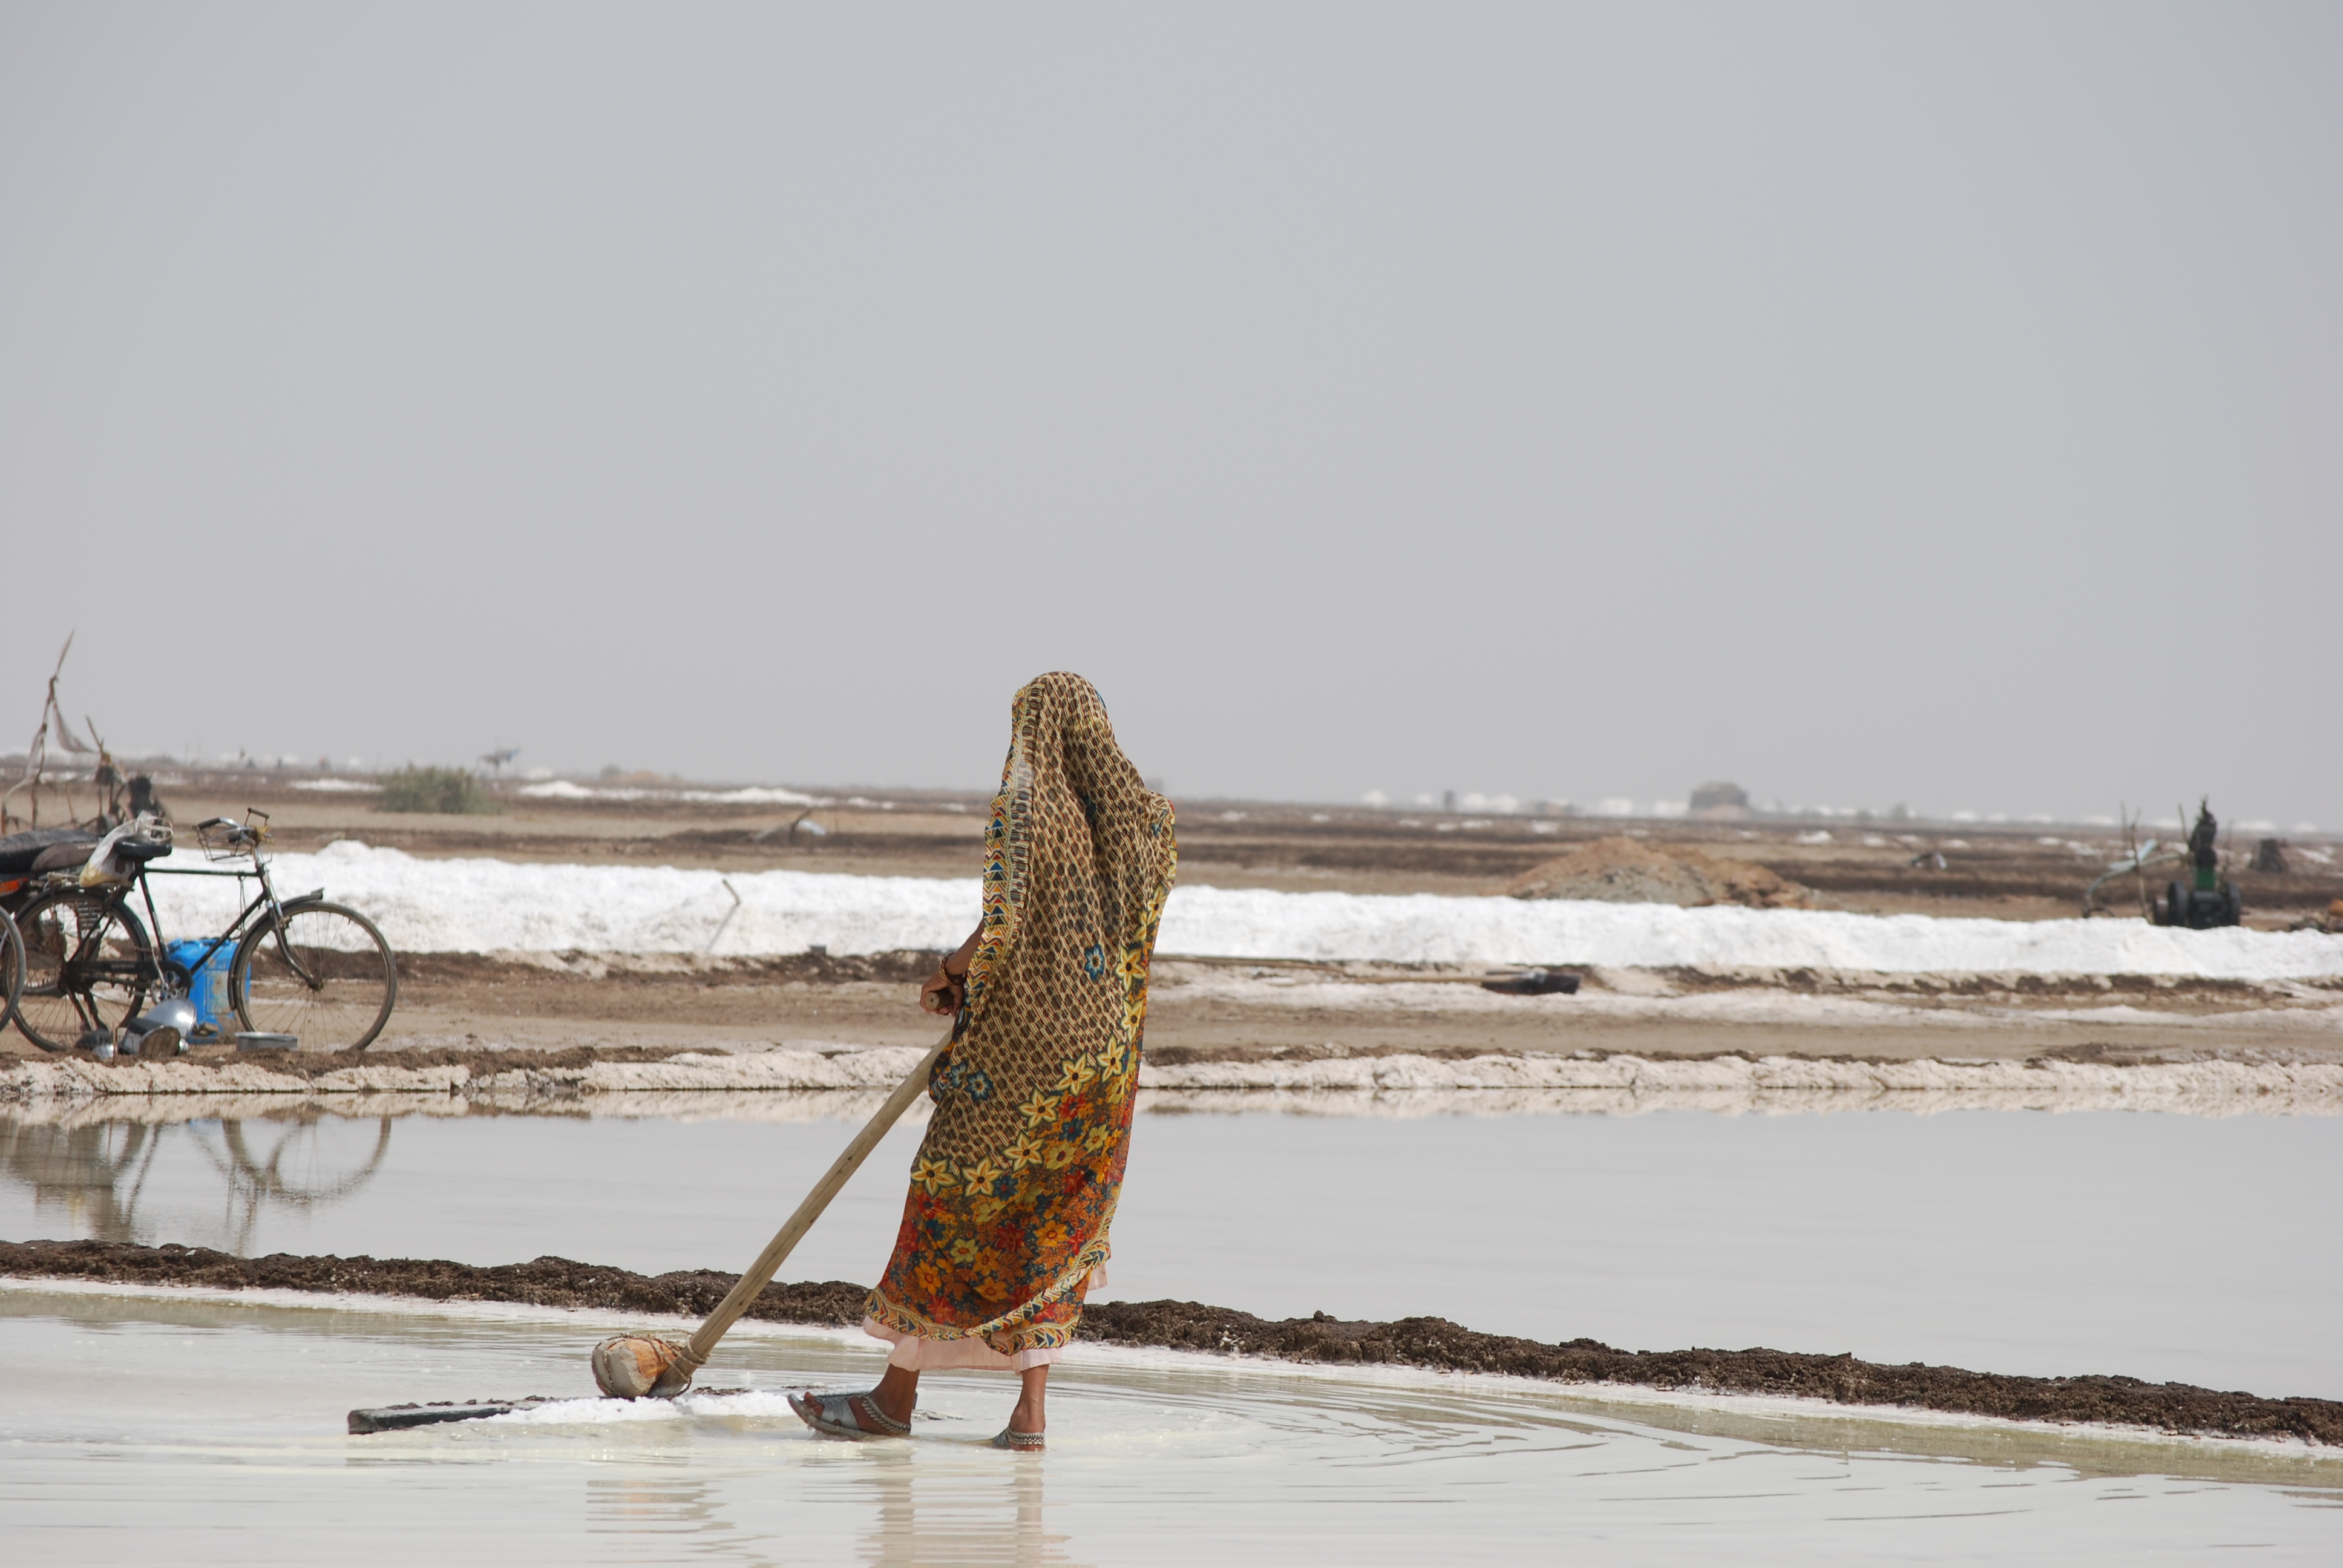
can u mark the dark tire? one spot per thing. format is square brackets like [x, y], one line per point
[12, 970]
[88, 964]
[331, 981]
[2233, 905]
[2175, 904]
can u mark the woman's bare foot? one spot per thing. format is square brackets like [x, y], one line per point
[1030, 1416]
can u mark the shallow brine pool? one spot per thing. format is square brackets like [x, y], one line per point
[2164, 1247]
[147, 1427]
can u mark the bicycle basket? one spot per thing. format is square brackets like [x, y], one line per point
[225, 841]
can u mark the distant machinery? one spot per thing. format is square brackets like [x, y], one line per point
[2206, 899]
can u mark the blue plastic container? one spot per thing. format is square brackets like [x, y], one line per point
[208, 985]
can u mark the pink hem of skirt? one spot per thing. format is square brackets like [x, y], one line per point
[913, 1354]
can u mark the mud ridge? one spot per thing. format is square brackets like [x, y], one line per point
[1429, 1342]
[547, 1281]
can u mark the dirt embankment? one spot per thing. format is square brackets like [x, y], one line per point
[1633, 871]
[1432, 1342]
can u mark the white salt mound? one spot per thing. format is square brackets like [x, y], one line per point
[482, 905]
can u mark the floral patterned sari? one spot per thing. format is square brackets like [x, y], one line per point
[1016, 1181]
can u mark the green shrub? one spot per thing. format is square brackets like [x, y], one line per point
[445, 790]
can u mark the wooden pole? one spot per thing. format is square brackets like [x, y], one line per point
[702, 1344]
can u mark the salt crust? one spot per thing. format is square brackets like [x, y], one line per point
[73, 1078]
[2213, 1087]
[1754, 1002]
[484, 906]
[1763, 1073]
[1629, 1396]
[800, 1106]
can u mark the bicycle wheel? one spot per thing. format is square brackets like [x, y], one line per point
[88, 965]
[328, 978]
[12, 968]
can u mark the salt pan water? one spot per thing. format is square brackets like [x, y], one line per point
[2165, 1247]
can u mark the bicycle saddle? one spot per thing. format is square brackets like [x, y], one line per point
[20, 851]
[141, 851]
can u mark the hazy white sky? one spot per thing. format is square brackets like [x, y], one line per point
[1866, 402]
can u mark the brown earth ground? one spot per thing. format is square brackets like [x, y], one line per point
[1999, 871]
[455, 1006]
[1432, 1343]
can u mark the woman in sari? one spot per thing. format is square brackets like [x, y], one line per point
[1004, 1229]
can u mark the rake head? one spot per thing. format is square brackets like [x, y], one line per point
[642, 1366]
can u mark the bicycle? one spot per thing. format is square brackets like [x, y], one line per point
[318, 972]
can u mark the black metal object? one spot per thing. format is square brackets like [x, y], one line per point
[1533, 983]
[398, 1417]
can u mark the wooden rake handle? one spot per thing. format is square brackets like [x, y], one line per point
[703, 1343]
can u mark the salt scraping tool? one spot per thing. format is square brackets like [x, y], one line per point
[640, 1366]
[644, 1366]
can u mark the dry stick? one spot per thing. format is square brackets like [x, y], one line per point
[727, 916]
[702, 1344]
[2138, 871]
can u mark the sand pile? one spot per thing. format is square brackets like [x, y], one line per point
[1629, 872]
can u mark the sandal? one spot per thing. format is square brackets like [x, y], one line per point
[840, 1414]
[1021, 1442]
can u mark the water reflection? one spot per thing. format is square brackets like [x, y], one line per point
[99, 1174]
[685, 1499]
[916, 1519]
[660, 1518]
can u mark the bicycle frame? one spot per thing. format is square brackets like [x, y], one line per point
[266, 898]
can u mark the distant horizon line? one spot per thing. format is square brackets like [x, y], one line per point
[642, 783]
